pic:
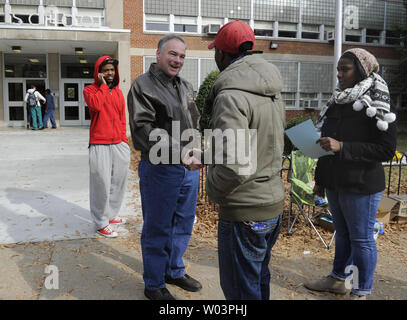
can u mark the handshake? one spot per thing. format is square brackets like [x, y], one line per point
[193, 159]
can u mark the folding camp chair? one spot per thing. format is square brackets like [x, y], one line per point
[302, 195]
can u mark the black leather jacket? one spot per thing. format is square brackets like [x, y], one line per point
[357, 168]
[155, 101]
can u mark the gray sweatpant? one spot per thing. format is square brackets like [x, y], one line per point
[109, 166]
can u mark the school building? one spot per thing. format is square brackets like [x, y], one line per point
[54, 44]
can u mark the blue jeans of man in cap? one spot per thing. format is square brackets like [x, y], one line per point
[168, 198]
[354, 216]
[244, 250]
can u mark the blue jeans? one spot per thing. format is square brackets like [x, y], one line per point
[244, 254]
[168, 198]
[354, 217]
[49, 115]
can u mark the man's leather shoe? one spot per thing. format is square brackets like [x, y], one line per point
[185, 282]
[159, 294]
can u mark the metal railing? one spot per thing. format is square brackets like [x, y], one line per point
[398, 163]
[393, 165]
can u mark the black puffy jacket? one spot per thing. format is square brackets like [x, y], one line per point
[357, 168]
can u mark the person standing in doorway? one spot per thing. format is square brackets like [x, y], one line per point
[109, 152]
[49, 110]
[32, 98]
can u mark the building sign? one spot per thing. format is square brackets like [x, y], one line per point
[52, 18]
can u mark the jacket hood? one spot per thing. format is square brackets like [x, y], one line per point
[250, 74]
[116, 80]
[31, 90]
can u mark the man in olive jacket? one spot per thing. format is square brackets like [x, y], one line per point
[246, 97]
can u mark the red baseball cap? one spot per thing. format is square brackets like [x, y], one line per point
[232, 35]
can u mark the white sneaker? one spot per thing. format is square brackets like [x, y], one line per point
[108, 232]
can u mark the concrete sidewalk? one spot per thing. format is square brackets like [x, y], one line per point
[44, 185]
[49, 251]
[45, 221]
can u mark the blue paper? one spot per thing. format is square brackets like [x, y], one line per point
[304, 137]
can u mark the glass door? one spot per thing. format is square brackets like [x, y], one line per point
[70, 114]
[15, 113]
[74, 110]
[84, 107]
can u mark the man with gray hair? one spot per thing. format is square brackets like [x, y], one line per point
[161, 105]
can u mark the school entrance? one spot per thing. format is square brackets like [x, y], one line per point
[15, 91]
[74, 111]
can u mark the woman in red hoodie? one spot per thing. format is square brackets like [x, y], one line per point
[109, 152]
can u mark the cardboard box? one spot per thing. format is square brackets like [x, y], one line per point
[394, 218]
[402, 202]
[384, 210]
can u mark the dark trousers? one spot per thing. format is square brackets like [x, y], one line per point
[168, 197]
[49, 115]
[244, 251]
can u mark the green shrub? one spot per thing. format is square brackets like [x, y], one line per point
[203, 93]
[288, 146]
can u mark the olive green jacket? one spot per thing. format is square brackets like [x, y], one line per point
[246, 99]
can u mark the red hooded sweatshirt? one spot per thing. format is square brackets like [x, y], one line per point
[107, 110]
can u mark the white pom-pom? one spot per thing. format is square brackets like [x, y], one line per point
[371, 112]
[382, 125]
[389, 117]
[357, 105]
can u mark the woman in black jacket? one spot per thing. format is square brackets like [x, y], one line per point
[358, 126]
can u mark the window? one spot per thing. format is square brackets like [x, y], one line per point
[263, 28]
[373, 36]
[207, 66]
[2, 19]
[352, 35]
[289, 99]
[316, 77]
[157, 23]
[25, 65]
[309, 100]
[310, 31]
[190, 72]
[16, 113]
[287, 30]
[185, 28]
[185, 24]
[289, 72]
[81, 67]
[392, 37]
[15, 92]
